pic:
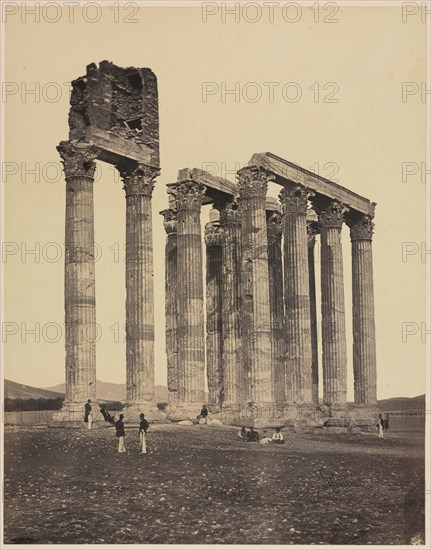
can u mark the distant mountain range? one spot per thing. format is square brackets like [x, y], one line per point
[14, 390]
[107, 391]
[406, 404]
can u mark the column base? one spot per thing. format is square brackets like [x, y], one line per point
[258, 415]
[172, 399]
[299, 417]
[364, 416]
[184, 411]
[132, 411]
[74, 411]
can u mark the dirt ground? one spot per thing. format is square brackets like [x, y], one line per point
[202, 484]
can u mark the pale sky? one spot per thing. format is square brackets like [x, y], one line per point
[361, 138]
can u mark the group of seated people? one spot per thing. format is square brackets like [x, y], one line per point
[250, 434]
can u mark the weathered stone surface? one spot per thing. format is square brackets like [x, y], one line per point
[335, 422]
[275, 274]
[297, 295]
[285, 172]
[113, 117]
[80, 300]
[233, 366]
[171, 282]
[112, 107]
[138, 185]
[334, 360]
[364, 338]
[190, 313]
[256, 318]
[312, 229]
[214, 281]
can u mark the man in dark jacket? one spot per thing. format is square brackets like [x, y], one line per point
[143, 427]
[88, 415]
[121, 434]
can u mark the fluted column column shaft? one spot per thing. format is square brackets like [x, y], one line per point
[313, 318]
[233, 366]
[138, 185]
[255, 286]
[79, 277]
[213, 240]
[190, 317]
[334, 358]
[171, 282]
[297, 298]
[276, 299]
[364, 338]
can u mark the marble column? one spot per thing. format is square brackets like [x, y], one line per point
[256, 316]
[334, 358]
[171, 281]
[233, 367]
[364, 337]
[297, 299]
[312, 229]
[138, 182]
[79, 279]
[276, 299]
[214, 300]
[190, 314]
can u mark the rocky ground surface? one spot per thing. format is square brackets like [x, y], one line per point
[202, 485]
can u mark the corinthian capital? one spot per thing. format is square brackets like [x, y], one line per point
[188, 195]
[294, 199]
[78, 159]
[169, 220]
[229, 213]
[138, 178]
[332, 215]
[361, 227]
[274, 226]
[213, 234]
[253, 182]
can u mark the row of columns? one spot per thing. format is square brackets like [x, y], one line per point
[80, 304]
[259, 350]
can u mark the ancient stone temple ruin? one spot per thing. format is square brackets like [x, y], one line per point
[114, 118]
[261, 325]
[250, 333]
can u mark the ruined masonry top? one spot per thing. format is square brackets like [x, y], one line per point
[116, 109]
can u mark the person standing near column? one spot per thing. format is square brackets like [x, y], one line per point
[121, 434]
[143, 427]
[88, 416]
[381, 425]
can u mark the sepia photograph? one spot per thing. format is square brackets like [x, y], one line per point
[215, 274]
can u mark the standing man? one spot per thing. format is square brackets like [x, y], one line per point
[381, 425]
[88, 415]
[143, 427]
[121, 434]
